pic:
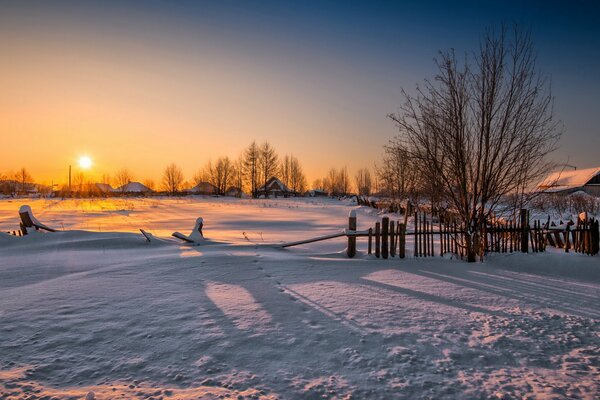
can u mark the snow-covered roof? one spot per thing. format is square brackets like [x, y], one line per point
[202, 187]
[274, 184]
[104, 187]
[568, 180]
[134, 187]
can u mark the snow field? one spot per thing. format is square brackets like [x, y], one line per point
[106, 315]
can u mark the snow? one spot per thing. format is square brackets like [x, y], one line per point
[95, 311]
[572, 179]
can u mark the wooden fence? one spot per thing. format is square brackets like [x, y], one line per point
[445, 236]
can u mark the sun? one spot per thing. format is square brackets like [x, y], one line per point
[85, 162]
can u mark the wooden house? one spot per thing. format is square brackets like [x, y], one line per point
[566, 182]
[274, 188]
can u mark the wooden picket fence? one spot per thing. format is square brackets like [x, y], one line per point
[387, 238]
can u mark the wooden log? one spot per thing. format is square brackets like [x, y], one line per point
[377, 239]
[385, 238]
[351, 249]
[370, 240]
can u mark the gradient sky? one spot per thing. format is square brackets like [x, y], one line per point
[141, 84]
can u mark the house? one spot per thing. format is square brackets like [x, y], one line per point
[134, 188]
[565, 182]
[234, 191]
[274, 187]
[205, 188]
[103, 188]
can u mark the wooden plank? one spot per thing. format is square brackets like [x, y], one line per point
[312, 240]
[402, 240]
[377, 239]
[385, 239]
[351, 248]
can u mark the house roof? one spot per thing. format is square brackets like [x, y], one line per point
[568, 180]
[202, 187]
[134, 187]
[274, 184]
[104, 187]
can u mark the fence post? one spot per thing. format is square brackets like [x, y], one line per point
[385, 240]
[392, 239]
[401, 240]
[351, 250]
[370, 240]
[567, 238]
[524, 231]
[377, 239]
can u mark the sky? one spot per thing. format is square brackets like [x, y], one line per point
[141, 84]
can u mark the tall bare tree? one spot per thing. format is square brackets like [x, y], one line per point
[23, 177]
[482, 129]
[122, 178]
[362, 180]
[221, 174]
[251, 167]
[172, 178]
[297, 180]
[267, 164]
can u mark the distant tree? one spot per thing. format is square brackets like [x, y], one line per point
[318, 184]
[482, 129]
[221, 174]
[362, 180]
[344, 181]
[202, 175]
[285, 168]
[122, 178]
[149, 183]
[23, 177]
[267, 164]
[172, 178]
[297, 180]
[238, 174]
[251, 167]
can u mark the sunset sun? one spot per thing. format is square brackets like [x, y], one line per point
[85, 162]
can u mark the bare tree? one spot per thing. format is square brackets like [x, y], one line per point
[149, 183]
[221, 174]
[122, 178]
[362, 180]
[344, 181]
[481, 129]
[23, 177]
[172, 178]
[297, 180]
[267, 164]
[251, 168]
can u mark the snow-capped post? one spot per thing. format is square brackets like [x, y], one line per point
[385, 226]
[524, 231]
[351, 249]
[401, 240]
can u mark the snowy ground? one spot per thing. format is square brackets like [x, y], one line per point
[105, 315]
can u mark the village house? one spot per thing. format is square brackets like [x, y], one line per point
[234, 191]
[134, 188]
[275, 188]
[566, 182]
[205, 188]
